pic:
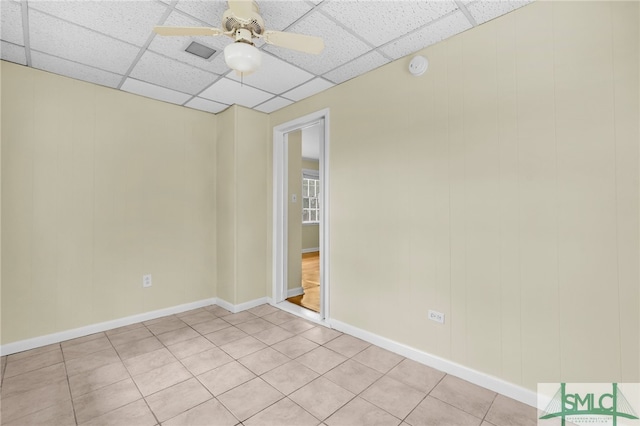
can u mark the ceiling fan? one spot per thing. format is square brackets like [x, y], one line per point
[242, 22]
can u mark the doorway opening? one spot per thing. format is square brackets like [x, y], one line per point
[310, 282]
[300, 225]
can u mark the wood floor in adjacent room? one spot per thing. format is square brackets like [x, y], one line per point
[310, 299]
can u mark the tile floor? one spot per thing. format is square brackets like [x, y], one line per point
[259, 367]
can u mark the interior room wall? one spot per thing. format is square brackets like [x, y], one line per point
[242, 205]
[294, 213]
[310, 232]
[502, 190]
[226, 188]
[0, 203]
[252, 152]
[98, 188]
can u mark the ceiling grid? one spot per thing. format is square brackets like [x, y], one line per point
[112, 43]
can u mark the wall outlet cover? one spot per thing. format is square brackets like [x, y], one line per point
[436, 316]
[146, 280]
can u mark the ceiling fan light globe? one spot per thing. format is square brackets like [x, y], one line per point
[242, 57]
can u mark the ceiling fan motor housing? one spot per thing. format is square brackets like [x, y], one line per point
[243, 35]
[253, 23]
[242, 22]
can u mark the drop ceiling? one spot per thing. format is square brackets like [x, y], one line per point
[111, 43]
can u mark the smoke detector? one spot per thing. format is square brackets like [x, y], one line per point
[418, 65]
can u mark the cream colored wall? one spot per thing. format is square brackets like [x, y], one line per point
[506, 181]
[310, 164]
[226, 180]
[98, 188]
[310, 233]
[294, 214]
[242, 205]
[0, 203]
[252, 148]
[310, 237]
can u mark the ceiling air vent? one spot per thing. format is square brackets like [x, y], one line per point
[200, 50]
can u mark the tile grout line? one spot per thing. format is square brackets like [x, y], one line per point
[130, 377]
[193, 376]
[355, 395]
[33, 371]
[461, 409]
[66, 373]
[234, 360]
[184, 326]
[493, 401]
[122, 361]
[423, 399]
[284, 396]
[103, 334]
[380, 378]
[4, 368]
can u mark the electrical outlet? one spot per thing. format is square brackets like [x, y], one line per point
[146, 280]
[436, 316]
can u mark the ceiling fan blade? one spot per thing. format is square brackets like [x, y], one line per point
[242, 9]
[187, 31]
[299, 42]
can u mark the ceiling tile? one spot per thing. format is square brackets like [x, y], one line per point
[173, 46]
[209, 11]
[160, 70]
[363, 64]
[483, 11]
[340, 46]
[99, 41]
[279, 14]
[289, 75]
[433, 33]
[79, 44]
[381, 21]
[130, 21]
[154, 92]
[11, 22]
[12, 53]
[206, 105]
[311, 88]
[273, 105]
[74, 70]
[231, 92]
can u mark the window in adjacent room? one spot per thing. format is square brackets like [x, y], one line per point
[310, 194]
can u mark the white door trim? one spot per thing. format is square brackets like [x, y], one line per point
[280, 212]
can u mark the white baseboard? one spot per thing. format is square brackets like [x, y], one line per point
[311, 250]
[295, 292]
[495, 384]
[36, 342]
[251, 304]
[226, 305]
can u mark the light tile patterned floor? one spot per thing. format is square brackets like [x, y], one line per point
[258, 367]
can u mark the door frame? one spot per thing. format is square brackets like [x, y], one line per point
[280, 202]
